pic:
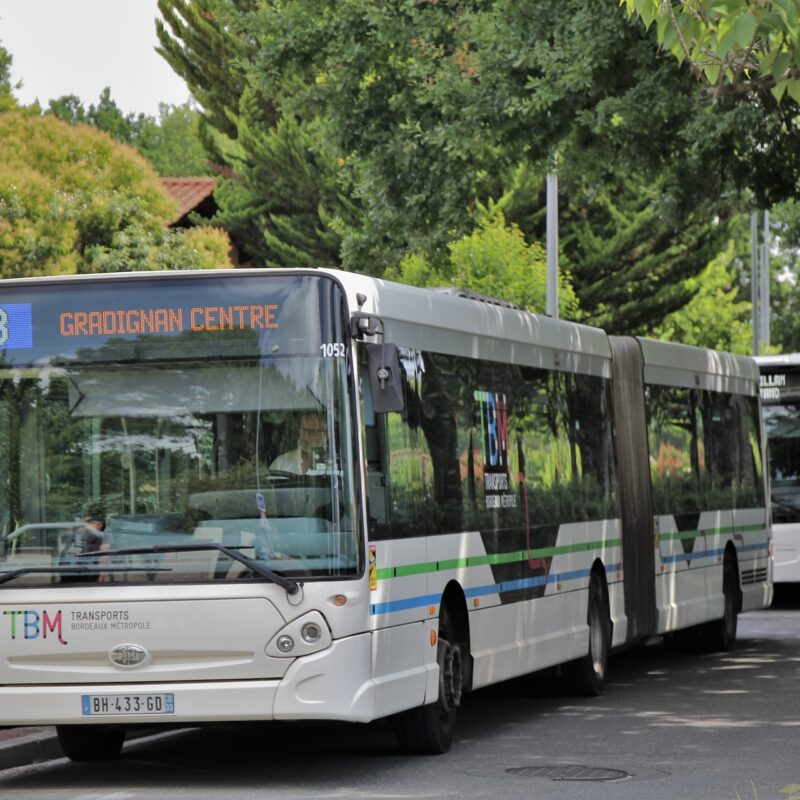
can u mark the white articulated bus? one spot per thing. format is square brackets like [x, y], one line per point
[780, 404]
[286, 495]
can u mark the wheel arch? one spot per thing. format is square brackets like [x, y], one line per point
[599, 569]
[454, 598]
[732, 557]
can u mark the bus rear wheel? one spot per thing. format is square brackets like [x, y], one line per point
[586, 676]
[90, 742]
[429, 730]
[720, 635]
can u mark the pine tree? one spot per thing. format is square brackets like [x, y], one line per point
[7, 101]
[279, 192]
[630, 257]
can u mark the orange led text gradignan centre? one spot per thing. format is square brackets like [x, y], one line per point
[168, 320]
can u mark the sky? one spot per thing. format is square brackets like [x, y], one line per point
[81, 46]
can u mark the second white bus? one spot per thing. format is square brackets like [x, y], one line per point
[780, 404]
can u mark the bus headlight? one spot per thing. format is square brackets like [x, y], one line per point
[300, 637]
[311, 633]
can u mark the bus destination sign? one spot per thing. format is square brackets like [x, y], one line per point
[17, 328]
[173, 319]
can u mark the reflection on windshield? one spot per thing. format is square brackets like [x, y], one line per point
[782, 423]
[253, 457]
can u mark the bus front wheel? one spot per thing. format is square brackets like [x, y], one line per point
[90, 742]
[430, 729]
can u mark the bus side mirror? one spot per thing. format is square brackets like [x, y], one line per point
[385, 381]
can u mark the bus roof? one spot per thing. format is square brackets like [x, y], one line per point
[697, 359]
[468, 315]
[778, 361]
[450, 310]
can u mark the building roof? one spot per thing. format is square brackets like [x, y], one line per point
[189, 193]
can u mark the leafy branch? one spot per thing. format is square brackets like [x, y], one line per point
[736, 46]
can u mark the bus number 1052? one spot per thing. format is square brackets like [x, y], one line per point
[332, 350]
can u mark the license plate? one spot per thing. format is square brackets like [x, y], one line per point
[104, 705]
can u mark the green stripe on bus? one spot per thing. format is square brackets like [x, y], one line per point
[410, 569]
[404, 571]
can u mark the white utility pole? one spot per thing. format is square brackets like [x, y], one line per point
[754, 282]
[551, 308]
[759, 288]
[763, 315]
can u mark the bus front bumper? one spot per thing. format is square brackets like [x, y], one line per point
[334, 684]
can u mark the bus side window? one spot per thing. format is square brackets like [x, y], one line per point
[376, 474]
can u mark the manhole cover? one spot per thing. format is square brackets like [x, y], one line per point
[570, 772]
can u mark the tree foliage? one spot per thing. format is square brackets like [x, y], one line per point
[494, 260]
[281, 196]
[785, 277]
[170, 143]
[735, 46]
[73, 200]
[432, 109]
[633, 257]
[434, 105]
[716, 316]
[7, 101]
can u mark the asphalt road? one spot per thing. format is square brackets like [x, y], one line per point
[669, 726]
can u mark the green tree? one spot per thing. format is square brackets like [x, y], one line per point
[417, 114]
[170, 143]
[735, 46]
[633, 258]
[68, 108]
[7, 101]
[73, 200]
[282, 198]
[494, 260]
[434, 107]
[716, 316]
[105, 115]
[784, 277]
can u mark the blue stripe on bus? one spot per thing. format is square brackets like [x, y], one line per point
[493, 588]
[712, 553]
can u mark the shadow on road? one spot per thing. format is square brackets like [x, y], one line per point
[787, 595]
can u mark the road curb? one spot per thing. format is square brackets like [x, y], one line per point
[42, 745]
[29, 749]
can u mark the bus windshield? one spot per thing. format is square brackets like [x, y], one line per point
[143, 436]
[782, 424]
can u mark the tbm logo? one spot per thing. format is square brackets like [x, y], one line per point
[494, 428]
[33, 624]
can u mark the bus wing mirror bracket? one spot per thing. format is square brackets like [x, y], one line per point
[386, 385]
[362, 325]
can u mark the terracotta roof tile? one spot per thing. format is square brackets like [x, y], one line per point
[188, 193]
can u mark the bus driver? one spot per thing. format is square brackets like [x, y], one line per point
[310, 455]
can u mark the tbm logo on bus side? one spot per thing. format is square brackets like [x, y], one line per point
[494, 425]
[498, 491]
[31, 624]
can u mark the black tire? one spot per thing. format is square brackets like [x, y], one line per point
[587, 676]
[720, 635]
[429, 730]
[90, 742]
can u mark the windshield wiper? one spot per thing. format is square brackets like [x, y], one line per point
[291, 587]
[5, 577]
